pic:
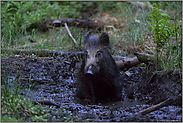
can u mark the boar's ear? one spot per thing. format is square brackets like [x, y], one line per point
[104, 40]
[86, 37]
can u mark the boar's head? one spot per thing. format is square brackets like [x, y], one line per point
[96, 53]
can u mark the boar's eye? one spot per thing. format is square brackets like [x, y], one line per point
[99, 53]
[86, 52]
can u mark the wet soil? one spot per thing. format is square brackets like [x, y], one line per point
[55, 80]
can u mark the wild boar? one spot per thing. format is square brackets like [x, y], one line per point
[99, 78]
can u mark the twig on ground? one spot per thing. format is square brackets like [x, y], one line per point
[70, 35]
[155, 107]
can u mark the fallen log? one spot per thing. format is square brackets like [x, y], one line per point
[127, 63]
[123, 64]
[146, 58]
[42, 52]
[52, 23]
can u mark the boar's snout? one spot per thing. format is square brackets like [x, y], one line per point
[91, 70]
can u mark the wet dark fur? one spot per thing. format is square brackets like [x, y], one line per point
[106, 84]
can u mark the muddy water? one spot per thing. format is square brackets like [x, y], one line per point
[115, 105]
[63, 93]
[51, 80]
[125, 103]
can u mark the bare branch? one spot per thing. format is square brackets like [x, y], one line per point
[70, 35]
[155, 107]
[42, 52]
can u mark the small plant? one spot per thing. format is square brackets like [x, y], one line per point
[160, 29]
[14, 105]
[163, 29]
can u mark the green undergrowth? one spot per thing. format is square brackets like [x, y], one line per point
[157, 32]
[135, 30]
[168, 39]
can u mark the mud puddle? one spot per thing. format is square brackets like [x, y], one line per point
[125, 103]
[50, 79]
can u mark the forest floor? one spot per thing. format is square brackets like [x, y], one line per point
[53, 80]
